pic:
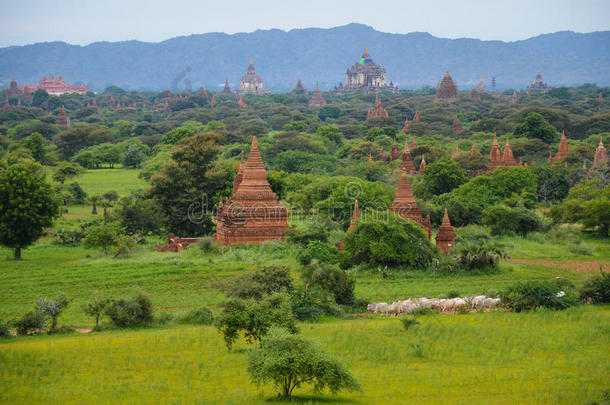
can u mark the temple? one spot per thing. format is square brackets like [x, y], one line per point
[404, 204]
[507, 157]
[355, 217]
[445, 238]
[252, 214]
[447, 89]
[473, 150]
[316, 98]
[366, 76]
[54, 86]
[406, 164]
[422, 165]
[299, 88]
[416, 116]
[63, 120]
[405, 127]
[601, 154]
[563, 149]
[377, 111]
[495, 155]
[457, 128]
[538, 86]
[394, 152]
[481, 88]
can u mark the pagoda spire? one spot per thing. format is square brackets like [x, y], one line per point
[413, 143]
[416, 116]
[456, 152]
[404, 202]
[473, 149]
[405, 127]
[601, 154]
[563, 150]
[394, 152]
[507, 158]
[365, 54]
[355, 217]
[445, 237]
[240, 174]
[495, 155]
[422, 165]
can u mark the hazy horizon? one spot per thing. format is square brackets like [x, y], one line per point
[85, 22]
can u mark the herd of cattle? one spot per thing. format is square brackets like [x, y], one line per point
[450, 305]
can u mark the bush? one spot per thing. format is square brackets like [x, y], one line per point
[505, 220]
[391, 241]
[268, 280]
[133, 311]
[66, 236]
[311, 231]
[408, 322]
[319, 251]
[255, 318]
[4, 329]
[476, 250]
[291, 361]
[332, 279]
[597, 289]
[32, 322]
[580, 248]
[52, 308]
[207, 244]
[199, 316]
[533, 294]
[78, 194]
[96, 307]
[312, 302]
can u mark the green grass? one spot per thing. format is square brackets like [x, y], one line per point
[99, 181]
[542, 357]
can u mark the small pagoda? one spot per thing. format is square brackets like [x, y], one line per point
[563, 148]
[227, 89]
[299, 88]
[405, 127]
[404, 204]
[252, 214]
[495, 155]
[406, 163]
[316, 98]
[355, 217]
[63, 120]
[457, 128]
[394, 152]
[416, 116]
[447, 89]
[601, 154]
[507, 157]
[445, 238]
[377, 111]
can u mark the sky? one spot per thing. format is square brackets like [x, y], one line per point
[85, 21]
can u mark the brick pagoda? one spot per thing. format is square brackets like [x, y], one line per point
[316, 98]
[378, 111]
[445, 238]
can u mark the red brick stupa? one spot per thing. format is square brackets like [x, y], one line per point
[252, 215]
[395, 152]
[447, 89]
[316, 98]
[407, 164]
[355, 217]
[563, 148]
[416, 117]
[507, 158]
[405, 127]
[378, 111]
[405, 205]
[445, 238]
[601, 154]
[495, 155]
[457, 128]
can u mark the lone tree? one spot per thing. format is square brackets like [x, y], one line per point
[97, 307]
[52, 308]
[27, 205]
[290, 361]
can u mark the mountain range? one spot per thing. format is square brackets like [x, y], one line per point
[314, 55]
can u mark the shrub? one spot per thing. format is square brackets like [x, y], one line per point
[255, 318]
[580, 248]
[199, 316]
[597, 289]
[78, 194]
[207, 244]
[504, 220]
[408, 322]
[52, 308]
[395, 241]
[312, 302]
[332, 279]
[268, 280]
[478, 255]
[96, 307]
[453, 294]
[66, 236]
[32, 322]
[133, 311]
[291, 361]
[319, 251]
[4, 329]
[311, 231]
[533, 294]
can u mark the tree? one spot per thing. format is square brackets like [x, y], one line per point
[39, 98]
[255, 318]
[291, 361]
[442, 176]
[27, 205]
[133, 157]
[102, 236]
[587, 202]
[70, 141]
[35, 143]
[535, 126]
[94, 199]
[189, 128]
[65, 170]
[52, 308]
[139, 215]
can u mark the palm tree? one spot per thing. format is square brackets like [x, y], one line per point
[94, 200]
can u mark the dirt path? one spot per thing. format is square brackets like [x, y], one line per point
[83, 330]
[591, 266]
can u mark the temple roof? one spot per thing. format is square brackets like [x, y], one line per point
[404, 202]
[365, 54]
[445, 232]
[355, 217]
[507, 158]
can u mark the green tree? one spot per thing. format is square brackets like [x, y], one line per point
[255, 318]
[52, 308]
[140, 215]
[27, 205]
[442, 176]
[290, 361]
[133, 157]
[102, 236]
[535, 126]
[39, 98]
[96, 307]
[188, 128]
[65, 170]
[35, 143]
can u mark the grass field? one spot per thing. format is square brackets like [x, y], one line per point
[543, 357]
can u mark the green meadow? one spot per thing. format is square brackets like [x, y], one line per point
[541, 357]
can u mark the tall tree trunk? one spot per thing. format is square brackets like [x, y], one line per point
[18, 253]
[94, 210]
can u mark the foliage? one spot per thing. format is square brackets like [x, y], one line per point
[589, 203]
[318, 251]
[67, 236]
[134, 311]
[442, 176]
[390, 241]
[188, 128]
[199, 316]
[97, 307]
[103, 236]
[332, 279]
[255, 318]
[597, 289]
[65, 170]
[35, 143]
[4, 328]
[139, 215]
[535, 126]
[503, 219]
[308, 232]
[291, 361]
[32, 322]
[409, 322]
[310, 302]
[133, 157]
[524, 296]
[52, 308]
[27, 205]
[78, 194]
[266, 281]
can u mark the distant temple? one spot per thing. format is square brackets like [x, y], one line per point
[406, 163]
[377, 111]
[63, 120]
[447, 88]
[498, 158]
[404, 204]
[227, 89]
[54, 86]
[601, 154]
[252, 214]
[251, 83]
[445, 238]
[563, 149]
[538, 86]
[316, 98]
[365, 76]
[299, 88]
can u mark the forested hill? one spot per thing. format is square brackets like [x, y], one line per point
[412, 60]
